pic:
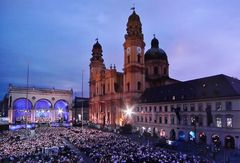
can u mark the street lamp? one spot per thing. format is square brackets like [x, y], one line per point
[128, 113]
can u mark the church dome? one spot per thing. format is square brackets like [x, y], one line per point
[134, 17]
[155, 53]
[97, 46]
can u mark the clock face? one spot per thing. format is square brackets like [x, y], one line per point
[128, 50]
[139, 50]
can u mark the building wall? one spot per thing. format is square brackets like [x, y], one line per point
[146, 112]
[34, 95]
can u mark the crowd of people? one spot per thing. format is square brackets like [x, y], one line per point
[98, 146]
[110, 147]
[40, 145]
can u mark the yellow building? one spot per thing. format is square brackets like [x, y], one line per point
[112, 92]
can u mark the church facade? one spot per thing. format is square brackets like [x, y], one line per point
[205, 110]
[112, 92]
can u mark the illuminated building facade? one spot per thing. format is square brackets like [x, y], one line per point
[205, 110]
[38, 105]
[111, 92]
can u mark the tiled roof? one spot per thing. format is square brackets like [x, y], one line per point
[203, 88]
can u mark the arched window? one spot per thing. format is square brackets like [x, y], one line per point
[128, 86]
[128, 59]
[164, 71]
[22, 107]
[62, 110]
[43, 104]
[61, 104]
[22, 104]
[139, 58]
[139, 86]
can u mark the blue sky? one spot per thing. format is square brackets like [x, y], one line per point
[200, 37]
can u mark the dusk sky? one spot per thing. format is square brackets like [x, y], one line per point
[200, 37]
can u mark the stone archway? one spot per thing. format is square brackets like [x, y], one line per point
[229, 142]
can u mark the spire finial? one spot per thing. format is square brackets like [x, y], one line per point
[133, 8]
[154, 35]
[96, 39]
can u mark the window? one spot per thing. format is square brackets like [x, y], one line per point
[103, 89]
[185, 107]
[145, 119]
[166, 108]
[160, 119]
[209, 105]
[185, 120]
[139, 85]
[150, 109]
[228, 105]
[146, 71]
[166, 120]
[150, 119]
[229, 122]
[164, 71]
[138, 118]
[137, 109]
[172, 120]
[192, 107]
[219, 122]
[128, 59]
[200, 107]
[139, 58]
[200, 120]
[155, 109]
[160, 108]
[141, 119]
[156, 70]
[172, 108]
[146, 109]
[218, 106]
[128, 86]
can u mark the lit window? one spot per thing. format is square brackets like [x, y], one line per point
[219, 122]
[218, 106]
[229, 122]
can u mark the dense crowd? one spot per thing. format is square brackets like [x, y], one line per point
[110, 147]
[99, 146]
[28, 146]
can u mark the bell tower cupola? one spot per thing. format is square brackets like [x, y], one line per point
[134, 76]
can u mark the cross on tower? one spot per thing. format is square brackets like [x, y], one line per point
[133, 8]
[96, 39]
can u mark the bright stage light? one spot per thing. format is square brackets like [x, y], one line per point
[128, 111]
[60, 111]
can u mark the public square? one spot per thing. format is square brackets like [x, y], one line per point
[119, 81]
[75, 144]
